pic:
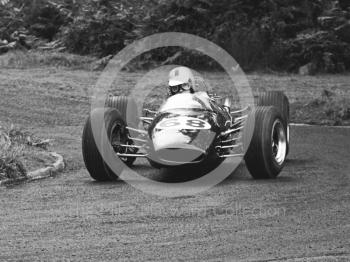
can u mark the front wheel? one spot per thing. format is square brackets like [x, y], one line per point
[93, 143]
[266, 153]
[279, 100]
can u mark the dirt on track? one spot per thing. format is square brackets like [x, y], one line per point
[302, 214]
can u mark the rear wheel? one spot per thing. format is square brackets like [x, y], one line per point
[266, 153]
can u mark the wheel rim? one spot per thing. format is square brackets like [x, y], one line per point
[116, 138]
[279, 142]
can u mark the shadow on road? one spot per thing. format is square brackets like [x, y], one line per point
[189, 173]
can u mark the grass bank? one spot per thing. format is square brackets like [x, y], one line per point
[34, 59]
[45, 88]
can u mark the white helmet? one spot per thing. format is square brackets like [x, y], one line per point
[180, 79]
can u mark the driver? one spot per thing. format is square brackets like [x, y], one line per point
[181, 80]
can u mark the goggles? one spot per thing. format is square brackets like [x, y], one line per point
[177, 88]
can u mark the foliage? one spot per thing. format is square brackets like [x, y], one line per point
[321, 48]
[40, 17]
[100, 28]
[280, 34]
[256, 33]
[10, 151]
[15, 146]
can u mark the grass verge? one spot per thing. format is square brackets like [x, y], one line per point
[32, 59]
[58, 96]
[328, 108]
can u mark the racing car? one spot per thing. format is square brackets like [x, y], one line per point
[191, 129]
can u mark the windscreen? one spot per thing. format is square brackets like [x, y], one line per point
[186, 101]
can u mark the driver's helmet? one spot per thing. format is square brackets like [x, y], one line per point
[181, 79]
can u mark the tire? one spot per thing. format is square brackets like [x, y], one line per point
[279, 100]
[127, 108]
[260, 159]
[93, 160]
[154, 164]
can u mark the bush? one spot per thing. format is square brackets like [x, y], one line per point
[280, 34]
[10, 151]
[100, 28]
[235, 29]
[41, 18]
[322, 48]
[20, 150]
[245, 29]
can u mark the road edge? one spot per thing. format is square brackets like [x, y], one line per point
[326, 126]
[40, 173]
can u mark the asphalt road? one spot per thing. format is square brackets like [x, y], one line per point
[303, 215]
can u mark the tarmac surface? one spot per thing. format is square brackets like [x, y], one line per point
[303, 215]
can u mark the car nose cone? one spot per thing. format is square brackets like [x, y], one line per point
[169, 139]
[175, 146]
[182, 155]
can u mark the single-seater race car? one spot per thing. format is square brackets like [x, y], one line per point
[192, 129]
